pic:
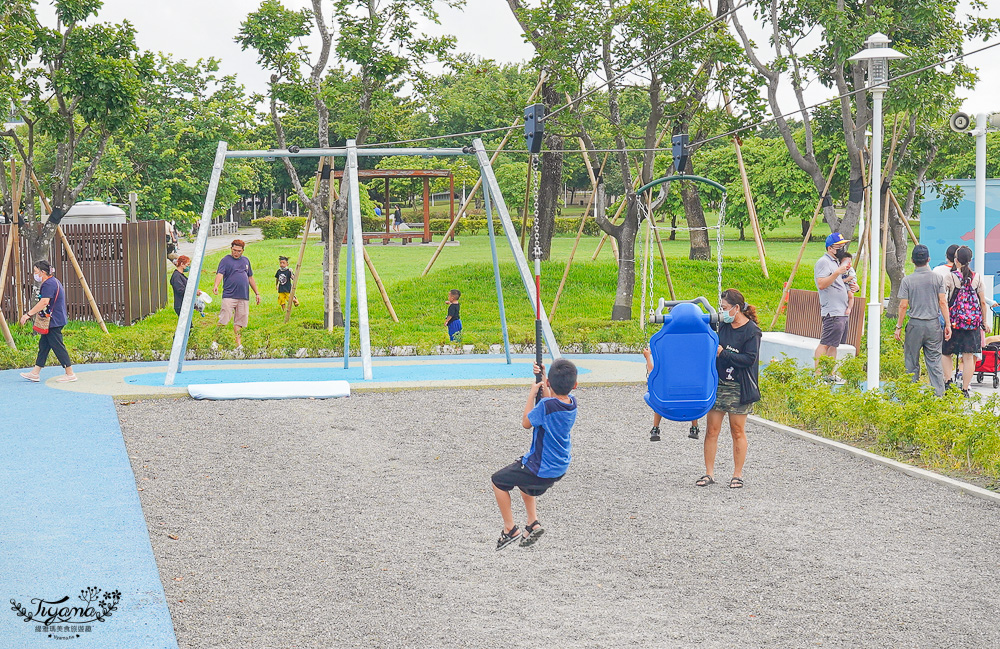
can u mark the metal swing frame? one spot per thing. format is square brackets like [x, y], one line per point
[493, 199]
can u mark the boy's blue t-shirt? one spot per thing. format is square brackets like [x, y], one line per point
[550, 441]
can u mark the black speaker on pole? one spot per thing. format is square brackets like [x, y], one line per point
[534, 127]
[680, 144]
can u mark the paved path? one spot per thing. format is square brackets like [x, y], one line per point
[185, 247]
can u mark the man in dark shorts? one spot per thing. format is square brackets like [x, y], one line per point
[546, 462]
[834, 294]
[236, 276]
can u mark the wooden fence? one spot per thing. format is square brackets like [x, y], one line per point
[125, 266]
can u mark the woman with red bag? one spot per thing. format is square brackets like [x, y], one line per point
[49, 315]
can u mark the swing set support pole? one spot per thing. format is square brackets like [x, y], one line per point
[805, 241]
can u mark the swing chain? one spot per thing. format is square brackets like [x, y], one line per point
[536, 252]
[719, 238]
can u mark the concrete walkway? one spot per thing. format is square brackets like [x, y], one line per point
[185, 247]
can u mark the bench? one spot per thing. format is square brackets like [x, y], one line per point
[803, 328]
[385, 237]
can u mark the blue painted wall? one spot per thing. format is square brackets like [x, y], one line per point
[939, 229]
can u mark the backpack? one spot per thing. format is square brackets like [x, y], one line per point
[964, 307]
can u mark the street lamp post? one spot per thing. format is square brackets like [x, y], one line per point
[877, 53]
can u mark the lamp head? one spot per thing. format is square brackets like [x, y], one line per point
[877, 53]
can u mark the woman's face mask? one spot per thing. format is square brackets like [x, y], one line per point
[725, 316]
[187, 269]
[38, 277]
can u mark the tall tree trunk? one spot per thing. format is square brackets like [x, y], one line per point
[550, 183]
[691, 198]
[895, 260]
[622, 309]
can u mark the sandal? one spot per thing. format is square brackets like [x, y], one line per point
[704, 481]
[694, 432]
[736, 483]
[654, 434]
[531, 534]
[506, 538]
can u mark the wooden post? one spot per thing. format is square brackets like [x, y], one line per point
[381, 287]
[479, 182]
[663, 260]
[8, 251]
[16, 193]
[902, 217]
[647, 250]
[884, 234]
[305, 240]
[583, 221]
[805, 242]
[427, 210]
[451, 202]
[386, 207]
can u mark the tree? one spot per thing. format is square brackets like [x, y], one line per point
[627, 43]
[925, 32]
[380, 51]
[74, 83]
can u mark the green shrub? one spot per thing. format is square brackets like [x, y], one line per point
[283, 227]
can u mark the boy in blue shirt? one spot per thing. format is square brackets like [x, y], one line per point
[548, 458]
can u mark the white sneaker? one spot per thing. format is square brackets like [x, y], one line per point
[34, 378]
[66, 378]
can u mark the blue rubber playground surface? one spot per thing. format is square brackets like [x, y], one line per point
[75, 546]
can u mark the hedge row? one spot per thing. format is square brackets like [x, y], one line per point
[280, 227]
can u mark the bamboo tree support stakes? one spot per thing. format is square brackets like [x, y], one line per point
[863, 252]
[381, 287]
[7, 253]
[305, 239]
[73, 260]
[902, 217]
[663, 260]
[751, 208]
[479, 183]
[805, 241]
[884, 233]
[579, 232]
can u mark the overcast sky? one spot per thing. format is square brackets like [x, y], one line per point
[193, 29]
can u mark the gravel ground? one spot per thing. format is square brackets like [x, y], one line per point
[370, 522]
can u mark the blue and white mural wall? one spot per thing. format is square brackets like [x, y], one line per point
[941, 228]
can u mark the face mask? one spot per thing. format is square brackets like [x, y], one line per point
[38, 277]
[187, 269]
[725, 317]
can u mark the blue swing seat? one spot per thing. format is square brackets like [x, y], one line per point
[682, 385]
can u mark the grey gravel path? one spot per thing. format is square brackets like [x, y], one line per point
[369, 522]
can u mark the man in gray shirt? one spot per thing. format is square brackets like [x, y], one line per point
[923, 294]
[834, 294]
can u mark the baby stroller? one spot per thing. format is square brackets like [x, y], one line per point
[988, 366]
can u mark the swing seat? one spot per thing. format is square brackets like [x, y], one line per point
[682, 385]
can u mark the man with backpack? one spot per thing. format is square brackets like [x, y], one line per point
[922, 294]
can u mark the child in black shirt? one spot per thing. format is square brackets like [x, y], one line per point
[454, 320]
[283, 282]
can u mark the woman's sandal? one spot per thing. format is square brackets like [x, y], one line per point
[532, 532]
[704, 481]
[506, 538]
[736, 483]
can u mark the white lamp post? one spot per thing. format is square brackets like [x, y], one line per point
[877, 53]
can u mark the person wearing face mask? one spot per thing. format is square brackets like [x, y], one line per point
[51, 301]
[179, 281]
[736, 362]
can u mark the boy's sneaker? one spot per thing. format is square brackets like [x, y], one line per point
[654, 434]
[693, 433]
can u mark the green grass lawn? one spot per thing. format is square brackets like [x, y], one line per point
[581, 321]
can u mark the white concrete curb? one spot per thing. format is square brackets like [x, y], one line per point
[902, 467]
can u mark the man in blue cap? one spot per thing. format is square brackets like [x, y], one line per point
[922, 297]
[834, 297]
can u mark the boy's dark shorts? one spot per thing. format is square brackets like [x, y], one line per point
[517, 475]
